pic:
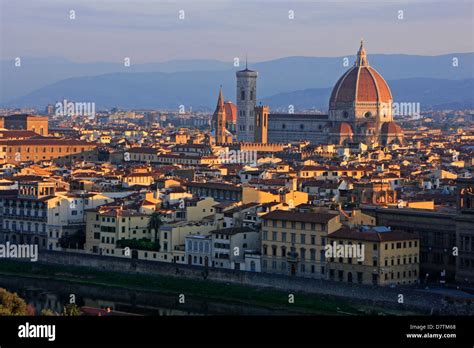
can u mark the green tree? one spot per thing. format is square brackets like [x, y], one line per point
[154, 223]
[12, 304]
[71, 310]
[48, 313]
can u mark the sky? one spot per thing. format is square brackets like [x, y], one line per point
[151, 30]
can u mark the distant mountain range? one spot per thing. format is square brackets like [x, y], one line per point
[301, 81]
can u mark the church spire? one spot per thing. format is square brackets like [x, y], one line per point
[220, 99]
[361, 55]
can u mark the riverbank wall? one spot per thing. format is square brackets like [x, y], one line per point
[401, 298]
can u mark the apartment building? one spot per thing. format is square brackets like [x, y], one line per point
[373, 255]
[229, 246]
[46, 149]
[106, 225]
[36, 213]
[293, 242]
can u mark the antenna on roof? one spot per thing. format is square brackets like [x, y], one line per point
[246, 61]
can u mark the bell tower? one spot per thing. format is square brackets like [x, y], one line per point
[219, 120]
[246, 101]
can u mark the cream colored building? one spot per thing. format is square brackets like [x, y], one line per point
[293, 242]
[292, 198]
[388, 257]
[201, 209]
[107, 225]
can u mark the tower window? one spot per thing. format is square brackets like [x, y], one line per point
[283, 126]
[251, 95]
[367, 114]
[345, 114]
[301, 126]
[242, 95]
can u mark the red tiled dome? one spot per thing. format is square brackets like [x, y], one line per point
[361, 83]
[391, 128]
[342, 128]
[230, 112]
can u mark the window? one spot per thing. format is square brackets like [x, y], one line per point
[303, 253]
[303, 239]
[274, 236]
[283, 236]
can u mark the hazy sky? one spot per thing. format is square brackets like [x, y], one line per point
[150, 31]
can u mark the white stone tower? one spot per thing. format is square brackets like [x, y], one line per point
[246, 101]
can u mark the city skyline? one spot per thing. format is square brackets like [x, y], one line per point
[309, 162]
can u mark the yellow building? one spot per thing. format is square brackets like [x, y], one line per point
[374, 255]
[105, 226]
[201, 209]
[292, 198]
[46, 149]
[293, 242]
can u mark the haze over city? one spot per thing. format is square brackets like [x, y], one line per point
[107, 31]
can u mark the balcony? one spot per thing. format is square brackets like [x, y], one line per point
[24, 217]
[33, 233]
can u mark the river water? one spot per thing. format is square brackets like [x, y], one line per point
[54, 294]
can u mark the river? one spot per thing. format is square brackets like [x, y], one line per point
[54, 294]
